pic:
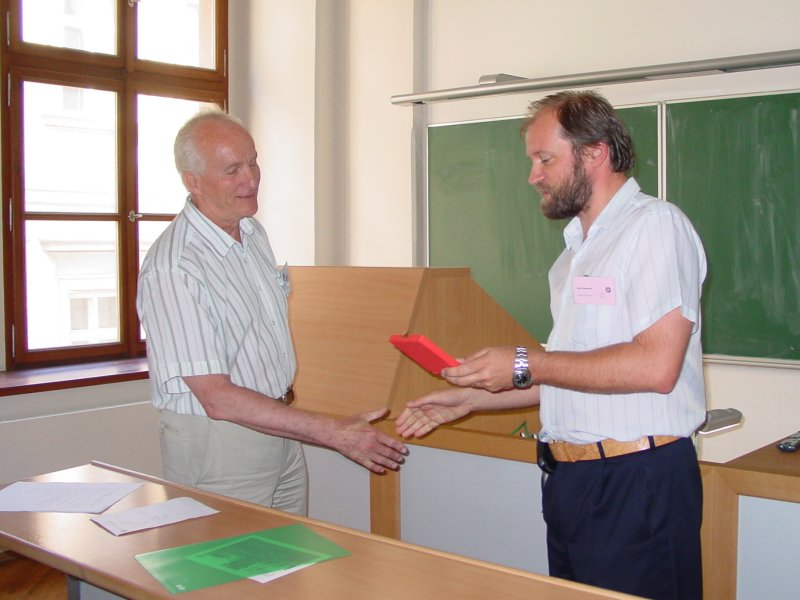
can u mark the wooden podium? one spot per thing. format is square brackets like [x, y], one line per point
[341, 319]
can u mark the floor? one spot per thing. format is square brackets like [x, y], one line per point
[21, 577]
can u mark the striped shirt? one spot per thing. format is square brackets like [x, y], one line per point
[657, 263]
[211, 305]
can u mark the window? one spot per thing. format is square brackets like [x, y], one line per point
[94, 93]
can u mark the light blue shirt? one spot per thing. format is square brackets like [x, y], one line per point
[656, 261]
[210, 305]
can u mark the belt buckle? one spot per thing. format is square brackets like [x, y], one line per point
[288, 396]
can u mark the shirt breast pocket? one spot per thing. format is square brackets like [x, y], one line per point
[595, 326]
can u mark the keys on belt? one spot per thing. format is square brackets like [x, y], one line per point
[288, 396]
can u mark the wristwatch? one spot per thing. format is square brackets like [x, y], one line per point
[522, 377]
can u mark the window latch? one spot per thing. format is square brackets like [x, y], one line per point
[134, 216]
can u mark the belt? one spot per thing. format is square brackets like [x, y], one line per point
[288, 396]
[566, 452]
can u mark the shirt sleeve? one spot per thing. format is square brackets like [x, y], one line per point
[668, 269]
[183, 332]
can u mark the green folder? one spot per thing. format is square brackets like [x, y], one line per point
[207, 564]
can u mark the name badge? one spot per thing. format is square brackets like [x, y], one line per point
[594, 290]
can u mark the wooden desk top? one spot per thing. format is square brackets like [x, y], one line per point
[763, 473]
[377, 568]
[769, 459]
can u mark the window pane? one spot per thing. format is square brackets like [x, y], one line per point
[89, 25]
[107, 312]
[70, 138]
[160, 187]
[79, 313]
[72, 283]
[191, 44]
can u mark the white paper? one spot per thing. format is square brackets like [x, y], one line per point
[26, 496]
[154, 515]
[275, 574]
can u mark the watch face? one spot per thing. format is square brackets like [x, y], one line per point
[522, 379]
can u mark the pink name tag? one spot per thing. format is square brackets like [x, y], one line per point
[594, 290]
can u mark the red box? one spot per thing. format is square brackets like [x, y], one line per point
[424, 352]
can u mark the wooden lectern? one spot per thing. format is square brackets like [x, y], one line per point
[341, 319]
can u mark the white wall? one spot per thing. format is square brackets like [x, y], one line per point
[313, 81]
[380, 59]
[49, 431]
[272, 86]
[470, 38]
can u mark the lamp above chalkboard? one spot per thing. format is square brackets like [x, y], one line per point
[490, 85]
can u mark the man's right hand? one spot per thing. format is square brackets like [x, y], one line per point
[362, 443]
[353, 436]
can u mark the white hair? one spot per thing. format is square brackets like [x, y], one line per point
[187, 156]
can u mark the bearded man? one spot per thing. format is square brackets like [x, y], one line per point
[620, 383]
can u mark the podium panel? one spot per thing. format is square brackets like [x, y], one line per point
[342, 317]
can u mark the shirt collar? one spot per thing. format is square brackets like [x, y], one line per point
[217, 239]
[609, 215]
[573, 232]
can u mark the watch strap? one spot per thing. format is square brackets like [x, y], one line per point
[521, 358]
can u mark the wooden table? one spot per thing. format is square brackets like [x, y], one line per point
[377, 568]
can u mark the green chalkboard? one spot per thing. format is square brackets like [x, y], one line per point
[733, 165]
[484, 215]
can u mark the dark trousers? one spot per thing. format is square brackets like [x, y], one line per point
[629, 523]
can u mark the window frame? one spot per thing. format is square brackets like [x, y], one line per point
[128, 77]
